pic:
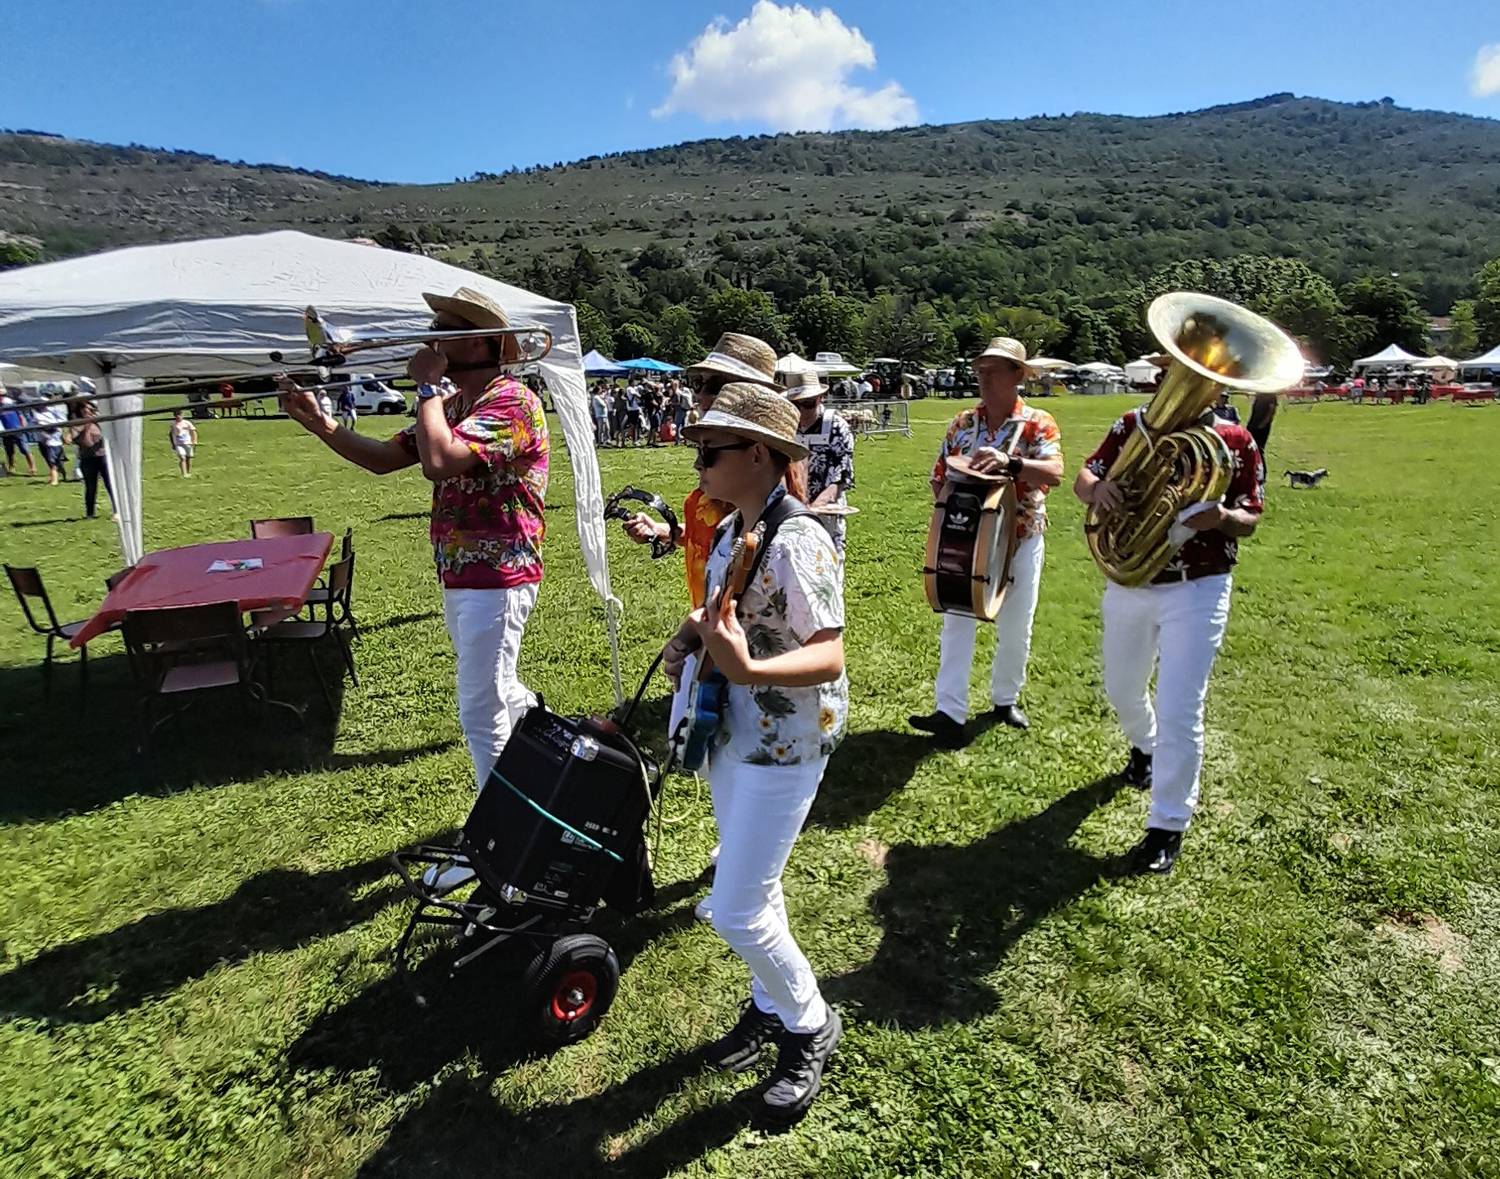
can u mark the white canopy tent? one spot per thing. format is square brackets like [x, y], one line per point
[792, 363]
[217, 307]
[1490, 359]
[1142, 372]
[1391, 356]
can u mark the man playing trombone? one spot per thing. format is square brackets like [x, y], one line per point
[484, 447]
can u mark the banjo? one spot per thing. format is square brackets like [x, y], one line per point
[971, 539]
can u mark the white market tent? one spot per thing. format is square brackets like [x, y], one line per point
[1102, 369]
[1436, 363]
[1142, 372]
[792, 363]
[220, 306]
[1490, 359]
[1390, 356]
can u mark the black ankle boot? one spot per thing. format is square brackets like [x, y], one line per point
[1137, 771]
[1157, 852]
[741, 1046]
[799, 1070]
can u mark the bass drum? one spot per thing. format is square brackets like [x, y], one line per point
[970, 542]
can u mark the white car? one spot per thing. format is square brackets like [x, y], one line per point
[372, 396]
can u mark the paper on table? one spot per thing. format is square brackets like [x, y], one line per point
[236, 565]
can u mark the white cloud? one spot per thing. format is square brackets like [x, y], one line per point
[1485, 80]
[786, 67]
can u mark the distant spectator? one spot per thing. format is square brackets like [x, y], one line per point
[89, 440]
[11, 418]
[184, 438]
[348, 410]
[48, 421]
[1225, 410]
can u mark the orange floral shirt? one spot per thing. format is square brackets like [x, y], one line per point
[700, 517]
[1040, 439]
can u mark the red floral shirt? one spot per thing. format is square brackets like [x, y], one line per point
[1213, 551]
[1040, 439]
[487, 524]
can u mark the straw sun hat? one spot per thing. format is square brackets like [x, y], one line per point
[1005, 348]
[477, 308]
[754, 412]
[803, 385]
[744, 358]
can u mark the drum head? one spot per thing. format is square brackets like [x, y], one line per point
[995, 544]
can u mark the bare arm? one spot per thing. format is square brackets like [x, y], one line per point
[442, 455]
[819, 661]
[381, 456]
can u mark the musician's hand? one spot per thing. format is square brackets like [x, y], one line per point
[725, 641]
[987, 461]
[427, 366]
[1207, 518]
[673, 656]
[301, 405]
[641, 528]
[1107, 495]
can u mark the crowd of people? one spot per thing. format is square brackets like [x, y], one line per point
[51, 420]
[640, 411]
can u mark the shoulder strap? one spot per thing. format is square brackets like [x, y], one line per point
[787, 507]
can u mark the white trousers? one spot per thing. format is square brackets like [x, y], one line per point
[1178, 629]
[486, 626]
[1012, 638]
[760, 811]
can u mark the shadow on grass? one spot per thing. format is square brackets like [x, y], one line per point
[865, 770]
[44, 523]
[460, 1131]
[397, 620]
[424, 514]
[951, 913]
[95, 977]
[412, 1028]
[216, 740]
[409, 1027]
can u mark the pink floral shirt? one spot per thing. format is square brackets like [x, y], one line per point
[487, 523]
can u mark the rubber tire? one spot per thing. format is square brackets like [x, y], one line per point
[573, 952]
[384, 408]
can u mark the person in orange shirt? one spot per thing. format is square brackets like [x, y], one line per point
[735, 357]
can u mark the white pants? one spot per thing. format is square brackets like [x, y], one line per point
[1178, 628]
[486, 626]
[1012, 638]
[760, 811]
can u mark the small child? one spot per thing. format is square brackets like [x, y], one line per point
[184, 437]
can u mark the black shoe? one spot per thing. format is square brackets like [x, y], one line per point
[741, 1046]
[1157, 852]
[1137, 771]
[1009, 714]
[799, 1070]
[948, 731]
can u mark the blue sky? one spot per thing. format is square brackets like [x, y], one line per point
[425, 91]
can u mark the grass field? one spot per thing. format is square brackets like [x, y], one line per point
[195, 974]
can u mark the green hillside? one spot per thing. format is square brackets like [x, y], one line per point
[1046, 213]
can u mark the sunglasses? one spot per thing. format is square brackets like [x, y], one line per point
[708, 455]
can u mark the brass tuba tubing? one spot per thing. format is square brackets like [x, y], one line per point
[1174, 460]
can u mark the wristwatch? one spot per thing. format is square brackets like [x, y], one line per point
[427, 392]
[1013, 468]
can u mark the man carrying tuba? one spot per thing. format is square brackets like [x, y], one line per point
[1176, 621]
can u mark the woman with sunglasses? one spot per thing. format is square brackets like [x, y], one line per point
[781, 648]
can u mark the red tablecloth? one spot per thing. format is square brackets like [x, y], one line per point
[180, 577]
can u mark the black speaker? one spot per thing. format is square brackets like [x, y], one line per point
[562, 810]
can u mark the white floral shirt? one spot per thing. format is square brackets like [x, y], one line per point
[797, 592]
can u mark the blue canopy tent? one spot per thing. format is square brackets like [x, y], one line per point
[595, 365]
[646, 365]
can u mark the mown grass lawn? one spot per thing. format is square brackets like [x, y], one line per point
[195, 974]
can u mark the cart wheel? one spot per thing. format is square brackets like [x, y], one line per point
[569, 986]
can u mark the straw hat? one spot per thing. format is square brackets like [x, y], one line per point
[477, 308]
[803, 385]
[754, 412]
[1006, 349]
[744, 358]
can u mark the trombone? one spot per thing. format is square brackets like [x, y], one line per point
[327, 348]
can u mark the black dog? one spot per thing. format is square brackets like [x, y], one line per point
[1306, 478]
